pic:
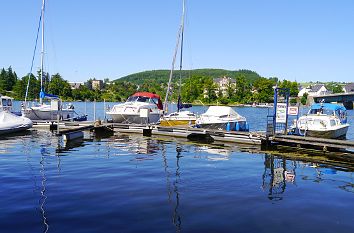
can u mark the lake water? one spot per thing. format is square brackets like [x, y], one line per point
[130, 183]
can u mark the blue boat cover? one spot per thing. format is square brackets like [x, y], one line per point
[43, 95]
[329, 106]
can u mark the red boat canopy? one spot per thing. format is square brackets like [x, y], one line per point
[147, 94]
[151, 95]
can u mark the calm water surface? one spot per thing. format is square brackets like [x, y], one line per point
[130, 183]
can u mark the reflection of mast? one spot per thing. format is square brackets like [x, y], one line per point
[176, 218]
[43, 190]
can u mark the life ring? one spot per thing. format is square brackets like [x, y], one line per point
[300, 133]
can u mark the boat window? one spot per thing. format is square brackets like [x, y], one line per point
[322, 111]
[155, 100]
[318, 122]
[4, 102]
[332, 122]
[142, 99]
[132, 98]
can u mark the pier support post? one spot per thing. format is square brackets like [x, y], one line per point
[348, 105]
[147, 132]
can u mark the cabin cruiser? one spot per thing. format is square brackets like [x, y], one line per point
[11, 123]
[140, 108]
[324, 120]
[222, 118]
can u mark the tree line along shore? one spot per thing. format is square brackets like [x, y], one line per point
[207, 86]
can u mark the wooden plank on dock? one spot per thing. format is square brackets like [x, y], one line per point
[74, 129]
[333, 143]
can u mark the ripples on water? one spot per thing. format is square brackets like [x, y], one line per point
[130, 183]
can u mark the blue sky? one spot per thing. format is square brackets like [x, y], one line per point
[302, 40]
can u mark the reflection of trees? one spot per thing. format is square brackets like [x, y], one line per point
[276, 176]
[172, 187]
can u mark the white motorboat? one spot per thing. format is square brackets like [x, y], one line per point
[324, 120]
[222, 118]
[42, 110]
[11, 123]
[132, 111]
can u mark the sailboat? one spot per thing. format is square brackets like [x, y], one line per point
[181, 117]
[46, 111]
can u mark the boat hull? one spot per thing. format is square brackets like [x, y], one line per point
[176, 122]
[38, 114]
[134, 118]
[224, 126]
[15, 130]
[330, 134]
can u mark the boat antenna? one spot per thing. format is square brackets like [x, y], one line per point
[33, 56]
[42, 54]
[174, 59]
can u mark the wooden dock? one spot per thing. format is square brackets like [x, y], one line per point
[342, 149]
[194, 134]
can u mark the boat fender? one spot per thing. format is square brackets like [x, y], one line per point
[237, 128]
[228, 127]
[247, 127]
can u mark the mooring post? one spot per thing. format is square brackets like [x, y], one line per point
[94, 110]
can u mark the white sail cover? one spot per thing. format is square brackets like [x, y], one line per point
[219, 111]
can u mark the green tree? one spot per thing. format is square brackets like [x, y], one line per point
[304, 99]
[59, 86]
[334, 87]
[264, 89]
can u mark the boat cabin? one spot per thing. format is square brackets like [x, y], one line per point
[329, 109]
[6, 103]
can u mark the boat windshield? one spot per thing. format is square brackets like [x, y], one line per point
[143, 99]
[138, 99]
[6, 102]
[322, 111]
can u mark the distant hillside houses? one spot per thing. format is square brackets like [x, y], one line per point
[222, 84]
[349, 87]
[97, 84]
[76, 85]
[314, 90]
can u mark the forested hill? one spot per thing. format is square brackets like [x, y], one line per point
[162, 76]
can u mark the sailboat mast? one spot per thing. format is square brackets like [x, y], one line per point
[180, 63]
[42, 51]
[174, 60]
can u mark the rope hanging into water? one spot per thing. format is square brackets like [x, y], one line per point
[34, 55]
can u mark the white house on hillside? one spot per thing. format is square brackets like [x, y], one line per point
[314, 90]
[349, 87]
[223, 84]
